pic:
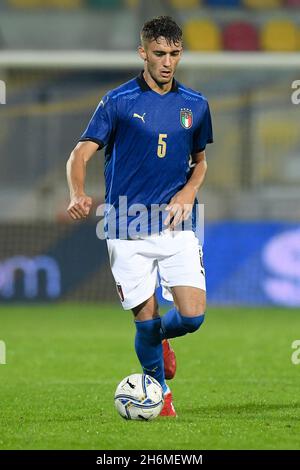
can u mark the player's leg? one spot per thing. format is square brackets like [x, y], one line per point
[136, 276]
[155, 358]
[182, 274]
[148, 346]
[148, 310]
[188, 313]
[136, 279]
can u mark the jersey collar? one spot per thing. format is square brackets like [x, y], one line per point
[145, 87]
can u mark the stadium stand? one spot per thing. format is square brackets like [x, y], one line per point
[202, 35]
[223, 3]
[131, 3]
[209, 25]
[261, 4]
[105, 3]
[185, 4]
[241, 36]
[292, 3]
[277, 35]
[46, 3]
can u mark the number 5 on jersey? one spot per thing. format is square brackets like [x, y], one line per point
[162, 145]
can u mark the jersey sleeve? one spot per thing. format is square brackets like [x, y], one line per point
[102, 123]
[203, 134]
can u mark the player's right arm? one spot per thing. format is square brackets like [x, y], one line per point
[80, 203]
[96, 136]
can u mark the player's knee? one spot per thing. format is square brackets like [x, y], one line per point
[192, 309]
[192, 324]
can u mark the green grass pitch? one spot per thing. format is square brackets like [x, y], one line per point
[236, 386]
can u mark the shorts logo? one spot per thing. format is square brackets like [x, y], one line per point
[120, 291]
[201, 262]
[186, 118]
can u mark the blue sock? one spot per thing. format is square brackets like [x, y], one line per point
[149, 349]
[174, 324]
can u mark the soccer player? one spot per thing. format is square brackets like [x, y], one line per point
[154, 131]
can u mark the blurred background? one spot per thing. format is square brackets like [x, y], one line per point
[58, 58]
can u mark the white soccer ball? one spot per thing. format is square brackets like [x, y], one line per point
[139, 396]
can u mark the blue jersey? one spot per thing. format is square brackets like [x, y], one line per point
[148, 139]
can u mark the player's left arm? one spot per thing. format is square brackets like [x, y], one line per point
[181, 204]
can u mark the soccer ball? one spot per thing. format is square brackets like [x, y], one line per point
[139, 396]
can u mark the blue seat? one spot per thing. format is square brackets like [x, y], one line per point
[223, 3]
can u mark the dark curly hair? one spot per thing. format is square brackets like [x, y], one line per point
[163, 26]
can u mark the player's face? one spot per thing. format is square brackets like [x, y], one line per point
[162, 59]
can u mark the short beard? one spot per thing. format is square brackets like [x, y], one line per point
[159, 83]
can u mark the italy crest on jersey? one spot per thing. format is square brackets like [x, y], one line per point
[186, 118]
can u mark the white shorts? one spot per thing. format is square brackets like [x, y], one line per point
[175, 255]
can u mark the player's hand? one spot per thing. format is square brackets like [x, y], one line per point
[79, 207]
[180, 207]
